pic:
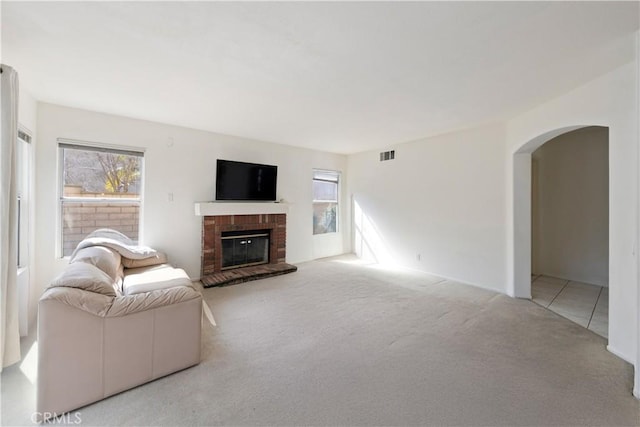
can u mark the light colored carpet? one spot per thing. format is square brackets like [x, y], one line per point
[339, 343]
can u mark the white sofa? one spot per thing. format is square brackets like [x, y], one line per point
[104, 328]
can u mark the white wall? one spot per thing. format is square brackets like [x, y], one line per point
[571, 239]
[607, 101]
[442, 198]
[463, 200]
[28, 293]
[179, 161]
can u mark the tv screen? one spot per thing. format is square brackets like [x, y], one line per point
[245, 181]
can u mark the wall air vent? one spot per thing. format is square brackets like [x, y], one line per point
[387, 155]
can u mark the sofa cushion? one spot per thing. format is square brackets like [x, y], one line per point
[104, 258]
[155, 259]
[147, 279]
[86, 276]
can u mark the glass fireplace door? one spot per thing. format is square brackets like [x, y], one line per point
[244, 250]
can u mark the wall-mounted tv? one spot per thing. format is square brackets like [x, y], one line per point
[245, 181]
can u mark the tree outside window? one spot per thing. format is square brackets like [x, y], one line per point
[325, 201]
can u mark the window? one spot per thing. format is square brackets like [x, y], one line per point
[23, 166]
[100, 188]
[325, 201]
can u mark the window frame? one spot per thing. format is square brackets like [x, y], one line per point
[24, 166]
[337, 181]
[63, 144]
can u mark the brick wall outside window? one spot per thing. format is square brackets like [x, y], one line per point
[81, 218]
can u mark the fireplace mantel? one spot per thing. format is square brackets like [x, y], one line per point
[240, 208]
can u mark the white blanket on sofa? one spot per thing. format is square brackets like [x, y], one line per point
[118, 242]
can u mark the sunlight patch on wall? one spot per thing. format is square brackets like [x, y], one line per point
[369, 244]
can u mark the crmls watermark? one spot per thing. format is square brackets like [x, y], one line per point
[54, 418]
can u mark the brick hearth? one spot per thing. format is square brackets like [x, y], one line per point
[214, 226]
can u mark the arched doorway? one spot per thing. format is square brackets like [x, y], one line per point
[570, 227]
[522, 209]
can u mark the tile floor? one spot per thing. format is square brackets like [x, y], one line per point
[582, 303]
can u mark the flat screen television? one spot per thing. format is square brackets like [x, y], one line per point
[245, 181]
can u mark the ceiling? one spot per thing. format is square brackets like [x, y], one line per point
[335, 76]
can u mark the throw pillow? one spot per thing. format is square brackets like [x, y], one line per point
[157, 258]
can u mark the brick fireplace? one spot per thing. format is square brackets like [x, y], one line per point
[214, 227]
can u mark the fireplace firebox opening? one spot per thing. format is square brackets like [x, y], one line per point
[245, 248]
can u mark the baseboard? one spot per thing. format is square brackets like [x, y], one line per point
[620, 355]
[453, 279]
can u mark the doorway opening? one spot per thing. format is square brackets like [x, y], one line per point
[570, 226]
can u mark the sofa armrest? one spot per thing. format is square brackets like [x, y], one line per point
[129, 304]
[90, 302]
[107, 306]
